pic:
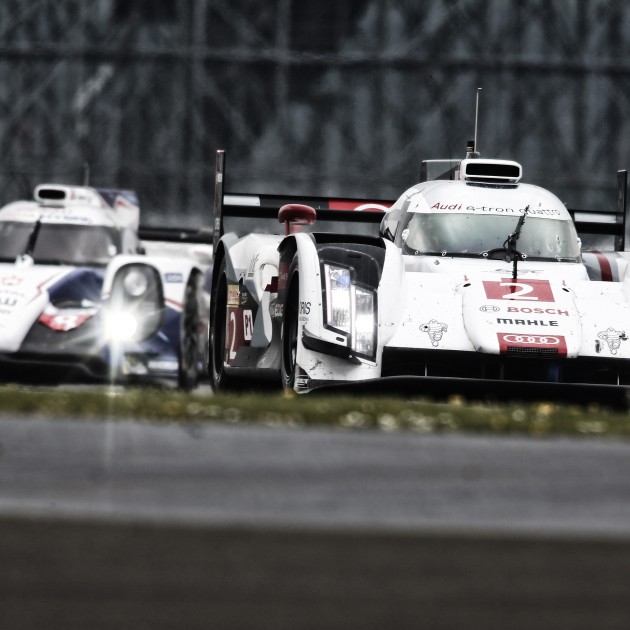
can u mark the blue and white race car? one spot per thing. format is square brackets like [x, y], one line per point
[81, 299]
[471, 281]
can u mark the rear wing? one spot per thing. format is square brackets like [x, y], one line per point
[615, 224]
[175, 234]
[244, 206]
[589, 223]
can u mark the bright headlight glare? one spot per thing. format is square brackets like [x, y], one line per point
[338, 286]
[120, 326]
[135, 283]
[363, 337]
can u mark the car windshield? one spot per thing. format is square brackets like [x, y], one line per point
[472, 234]
[60, 243]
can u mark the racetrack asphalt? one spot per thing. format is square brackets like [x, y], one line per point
[123, 524]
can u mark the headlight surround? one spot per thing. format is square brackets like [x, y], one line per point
[136, 305]
[350, 309]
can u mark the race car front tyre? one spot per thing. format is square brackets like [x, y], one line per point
[290, 326]
[220, 379]
[188, 373]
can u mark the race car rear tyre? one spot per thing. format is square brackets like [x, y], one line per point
[188, 373]
[220, 379]
[290, 326]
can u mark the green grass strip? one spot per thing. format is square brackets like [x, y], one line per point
[345, 412]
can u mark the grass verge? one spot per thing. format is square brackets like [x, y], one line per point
[347, 412]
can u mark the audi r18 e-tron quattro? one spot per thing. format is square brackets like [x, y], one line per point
[80, 299]
[470, 281]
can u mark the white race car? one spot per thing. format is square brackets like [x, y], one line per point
[470, 282]
[80, 299]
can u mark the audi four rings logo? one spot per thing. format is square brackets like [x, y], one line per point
[535, 340]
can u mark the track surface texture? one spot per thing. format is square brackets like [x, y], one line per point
[134, 525]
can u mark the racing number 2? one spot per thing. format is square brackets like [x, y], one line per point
[518, 291]
[508, 289]
[240, 328]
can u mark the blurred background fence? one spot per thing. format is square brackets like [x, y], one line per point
[309, 97]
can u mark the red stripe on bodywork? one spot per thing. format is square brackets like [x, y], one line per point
[272, 287]
[604, 266]
[174, 303]
[366, 206]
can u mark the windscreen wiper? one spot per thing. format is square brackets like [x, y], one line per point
[27, 254]
[510, 242]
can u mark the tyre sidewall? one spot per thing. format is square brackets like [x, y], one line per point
[290, 320]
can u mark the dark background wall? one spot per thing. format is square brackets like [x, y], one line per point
[309, 97]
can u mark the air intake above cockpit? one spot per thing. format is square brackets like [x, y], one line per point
[489, 171]
[59, 195]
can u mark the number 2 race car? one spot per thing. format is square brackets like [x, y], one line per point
[470, 282]
[80, 299]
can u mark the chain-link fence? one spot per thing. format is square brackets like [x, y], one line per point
[338, 98]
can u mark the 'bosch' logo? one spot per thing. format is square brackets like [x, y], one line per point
[534, 340]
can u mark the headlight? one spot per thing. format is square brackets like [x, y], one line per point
[350, 309]
[136, 282]
[363, 338]
[338, 303]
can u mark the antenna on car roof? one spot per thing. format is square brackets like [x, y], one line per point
[471, 150]
[477, 117]
[86, 173]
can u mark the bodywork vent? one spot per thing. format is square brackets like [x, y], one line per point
[532, 352]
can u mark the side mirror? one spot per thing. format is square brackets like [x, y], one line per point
[295, 214]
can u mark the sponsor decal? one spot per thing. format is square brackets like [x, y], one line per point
[613, 338]
[489, 308]
[233, 295]
[508, 289]
[538, 342]
[444, 206]
[526, 322]
[435, 330]
[173, 278]
[6, 300]
[11, 281]
[304, 311]
[252, 265]
[537, 310]
[460, 207]
[248, 325]
[283, 275]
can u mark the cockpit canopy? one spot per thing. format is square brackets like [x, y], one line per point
[478, 234]
[462, 217]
